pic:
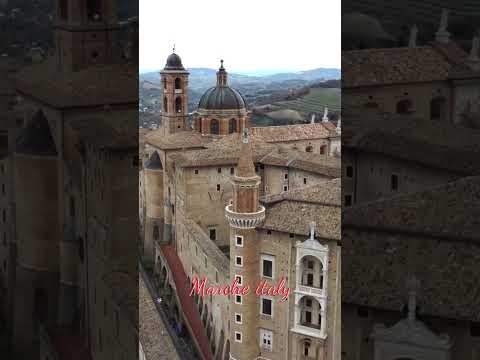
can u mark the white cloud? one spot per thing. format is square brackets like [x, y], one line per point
[249, 35]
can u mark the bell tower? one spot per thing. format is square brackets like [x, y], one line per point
[85, 33]
[244, 214]
[174, 79]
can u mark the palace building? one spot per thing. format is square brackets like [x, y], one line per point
[225, 201]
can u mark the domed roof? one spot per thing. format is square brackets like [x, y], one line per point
[174, 62]
[222, 98]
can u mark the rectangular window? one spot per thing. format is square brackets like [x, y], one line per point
[238, 299]
[266, 306]
[285, 188]
[239, 261]
[238, 336]
[286, 176]
[304, 181]
[239, 241]
[394, 182]
[348, 200]
[238, 318]
[232, 171]
[239, 279]
[266, 339]
[212, 233]
[196, 171]
[267, 265]
[219, 170]
[349, 171]
[218, 187]
[310, 279]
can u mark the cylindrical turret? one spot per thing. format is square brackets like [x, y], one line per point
[243, 215]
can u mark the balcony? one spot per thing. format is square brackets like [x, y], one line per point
[244, 220]
[309, 290]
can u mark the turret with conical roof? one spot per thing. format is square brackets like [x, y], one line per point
[244, 214]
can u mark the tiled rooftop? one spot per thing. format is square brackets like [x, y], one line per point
[294, 211]
[179, 140]
[292, 132]
[418, 140]
[376, 67]
[95, 85]
[451, 210]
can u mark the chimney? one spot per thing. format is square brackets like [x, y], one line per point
[412, 42]
[442, 35]
[325, 115]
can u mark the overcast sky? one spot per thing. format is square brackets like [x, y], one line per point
[250, 35]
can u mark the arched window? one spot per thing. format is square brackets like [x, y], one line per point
[323, 149]
[309, 148]
[404, 107]
[178, 83]
[232, 126]
[214, 127]
[438, 108]
[165, 104]
[178, 104]
[155, 232]
[306, 348]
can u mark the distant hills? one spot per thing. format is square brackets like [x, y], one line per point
[202, 78]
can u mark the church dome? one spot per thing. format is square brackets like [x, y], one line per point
[174, 62]
[222, 98]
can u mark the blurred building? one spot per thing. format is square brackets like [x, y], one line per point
[72, 264]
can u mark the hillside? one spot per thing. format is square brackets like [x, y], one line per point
[300, 93]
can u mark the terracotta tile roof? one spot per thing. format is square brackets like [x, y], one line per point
[451, 210]
[95, 85]
[224, 151]
[323, 165]
[377, 67]
[418, 140]
[153, 335]
[326, 193]
[294, 212]
[435, 232]
[187, 304]
[179, 140]
[291, 132]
